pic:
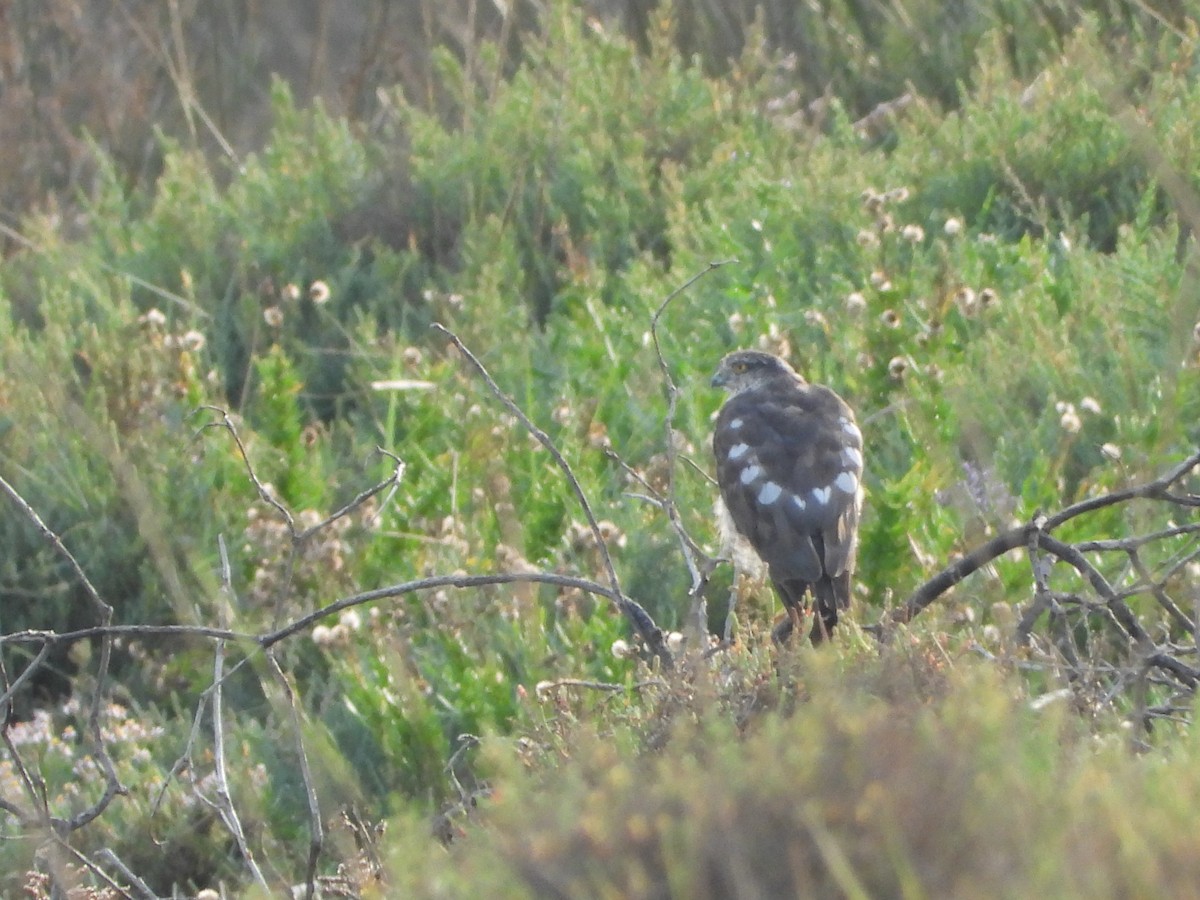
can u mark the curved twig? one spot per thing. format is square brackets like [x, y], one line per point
[1021, 534]
[641, 620]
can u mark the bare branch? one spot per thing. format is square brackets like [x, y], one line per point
[267, 496]
[224, 802]
[700, 565]
[436, 581]
[545, 687]
[316, 829]
[96, 748]
[641, 621]
[141, 890]
[1020, 536]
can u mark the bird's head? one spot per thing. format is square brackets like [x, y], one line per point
[745, 369]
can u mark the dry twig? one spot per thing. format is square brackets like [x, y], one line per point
[641, 621]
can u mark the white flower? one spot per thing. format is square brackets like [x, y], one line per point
[952, 227]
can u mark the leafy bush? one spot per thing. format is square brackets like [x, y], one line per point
[1001, 290]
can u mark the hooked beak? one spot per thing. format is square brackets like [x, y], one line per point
[719, 379]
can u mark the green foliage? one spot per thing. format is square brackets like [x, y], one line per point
[998, 289]
[895, 776]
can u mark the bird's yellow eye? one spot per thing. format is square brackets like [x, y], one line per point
[739, 367]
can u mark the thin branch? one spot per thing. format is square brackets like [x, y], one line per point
[1020, 535]
[224, 804]
[316, 830]
[436, 581]
[546, 687]
[700, 565]
[1121, 612]
[141, 889]
[267, 496]
[96, 748]
[641, 621]
[1160, 593]
[55, 638]
[182, 302]
[270, 638]
[957, 571]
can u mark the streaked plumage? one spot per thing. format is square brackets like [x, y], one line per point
[789, 466]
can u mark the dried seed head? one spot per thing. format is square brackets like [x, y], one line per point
[966, 301]
[1070, 421]
[155, 318]
[867, 238]
[318, 292]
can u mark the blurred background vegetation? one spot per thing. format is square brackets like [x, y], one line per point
[973, 219]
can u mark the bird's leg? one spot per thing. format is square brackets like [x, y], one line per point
[791, 623]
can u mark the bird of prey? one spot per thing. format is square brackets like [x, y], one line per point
[789, 466]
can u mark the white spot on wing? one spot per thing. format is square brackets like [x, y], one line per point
[770, 493]
[852, 457]
[735, 424]
[737, 451]
[750, 473]
[820, 496]
[800, 504]
[851, 429]
[846, 482]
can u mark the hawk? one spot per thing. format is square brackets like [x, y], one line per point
[789, 466]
